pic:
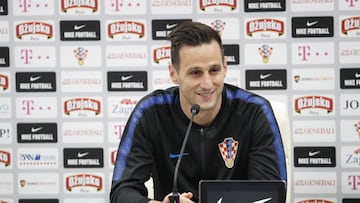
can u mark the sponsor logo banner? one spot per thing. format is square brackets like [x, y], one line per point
[265, 28]
[5, 107]
[315, 200]
[349, 26]
[121, 107]
[80, 56]
[313, 78]
[82, 107]
[4, 57]
[351, 5]
[37, 183]
[312, 26]
[6, 159]
[6, 133]
[35, 81]
[126, 30]
[81, 81]
[314, 131]
[115, 130]
[126, 56]
[37, 132]
[314, 156]
[314, 6]
[160, 55]
[265, 79]
[38, 158]
[350, 104]
[36, 107]
[33, 8]
[349, 78]
[84, 183]
[313, 53]
[38, 201]
[88, 7]
[313, 105]
[315, 182]
[349, 52]
[232, 54]
[34, 31]
[350, 156]
[83, 157]
[350, 200]
[4, 7]
[265, 54]
[205, 6]
[177, 7]
[226, 27]
[126, 7]
[35, 56]
[161, 79]
[350, 182]
[4, 31]
[6, 184]
[127, 81]
[83, 132]
[162, 28]
[350, 130]
[87, 30]
[263, 6]
[5, 82]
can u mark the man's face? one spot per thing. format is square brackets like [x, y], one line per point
[200, 77]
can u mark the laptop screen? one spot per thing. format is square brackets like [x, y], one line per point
[242, 191]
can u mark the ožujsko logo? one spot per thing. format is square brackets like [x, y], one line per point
[82, 104]
[161, 53]
[34, 28]
[314, 102]
[265, 25]
[126, 27]
[5, 158]
[70, 4]
[84, 180]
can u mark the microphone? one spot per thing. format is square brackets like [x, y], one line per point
[174, 198]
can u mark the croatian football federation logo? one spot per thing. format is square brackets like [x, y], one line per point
[228, 150]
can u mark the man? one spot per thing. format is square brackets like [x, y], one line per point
[234, 136]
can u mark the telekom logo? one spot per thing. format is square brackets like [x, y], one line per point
[351, 2]
[354, 182]
[29, 107]
[26, 55]
[304, 52]
[118, 4]
[25, 5]
[118, 131]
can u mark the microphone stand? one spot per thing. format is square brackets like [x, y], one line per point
[174, 198]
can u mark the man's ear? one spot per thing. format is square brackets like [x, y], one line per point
[173, 74]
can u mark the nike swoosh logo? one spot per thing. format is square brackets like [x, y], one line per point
[309, 24]
[174, 156]
[220, 200]
[80, 155]
[314, 153]
[34, 130]
[357, 75]
[171, 26]
[78, 27]
[126, 77]
[32, 78]
[263, 76]
[263, 200]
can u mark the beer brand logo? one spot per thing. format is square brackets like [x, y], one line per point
[4, 82]
[309, 102]
[71, 4]
[266, 24]
[39, 28]
[84, 180]
[315, 201]
[227, 3]
[124, 27]
[82, 104]
[161, 53]
[5, 158]
[350, 24]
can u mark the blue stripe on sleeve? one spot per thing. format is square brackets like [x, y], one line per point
[132, 122]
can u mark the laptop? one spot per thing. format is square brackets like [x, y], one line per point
[242, 191]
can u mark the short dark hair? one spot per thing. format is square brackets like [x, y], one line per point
[191, 34]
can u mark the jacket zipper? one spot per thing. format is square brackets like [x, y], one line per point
[202, 153]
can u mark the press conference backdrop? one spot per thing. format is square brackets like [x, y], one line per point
[71, 71]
